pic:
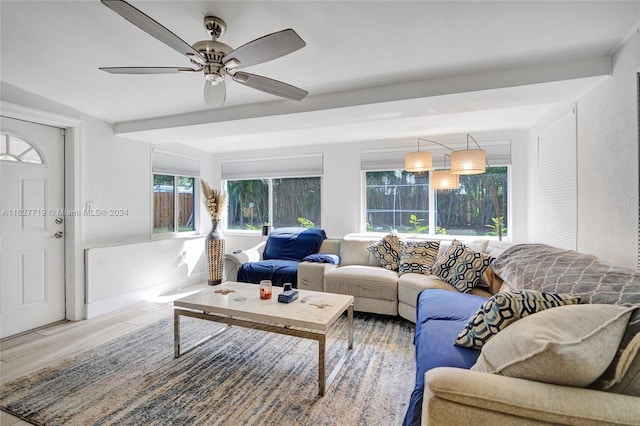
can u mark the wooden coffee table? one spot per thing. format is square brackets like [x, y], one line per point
[309, 317]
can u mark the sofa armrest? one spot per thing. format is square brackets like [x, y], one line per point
[311, 275]
[459, 396]
[233, 261]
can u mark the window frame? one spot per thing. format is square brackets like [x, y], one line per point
[196, 207]
[433, 207]
[270, 179]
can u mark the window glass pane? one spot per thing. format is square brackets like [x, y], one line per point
[397, 200]
[248, 204]
[185, 204]
[163, 203]
[296, 202]
[15, 149]
[471, 209]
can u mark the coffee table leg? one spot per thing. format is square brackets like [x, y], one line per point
[321, 365]
[323, 384]
[350, 316]
[176, 334]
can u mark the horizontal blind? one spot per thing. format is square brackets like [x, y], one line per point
[556, 184]
[172, 163]
[498, 154]
[288, 166]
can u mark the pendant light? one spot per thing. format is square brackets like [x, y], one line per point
[469, 161]
[444, 179]
[419, 161]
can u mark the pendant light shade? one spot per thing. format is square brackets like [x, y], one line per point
[468, 162]
[419, 161]
[444, 179]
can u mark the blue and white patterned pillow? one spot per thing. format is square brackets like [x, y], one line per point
[387, 251]
[418, 256]
[504, 309]
[461, 267]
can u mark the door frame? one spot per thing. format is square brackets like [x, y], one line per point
[73, 200]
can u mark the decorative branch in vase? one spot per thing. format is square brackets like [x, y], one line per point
[214, 200]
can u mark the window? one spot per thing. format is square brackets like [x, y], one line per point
[471, 209]
[248, 204]
[174, 195]
[173, 204]
[402, 200]
[276, 201]
[397, 200]
[16, 150]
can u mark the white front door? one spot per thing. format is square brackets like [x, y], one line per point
[32, 224]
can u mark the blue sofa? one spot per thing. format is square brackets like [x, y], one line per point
[441, 314]
[284, 250]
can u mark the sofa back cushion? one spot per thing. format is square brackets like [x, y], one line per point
[293, 243]
[330, 246]
[567, 271]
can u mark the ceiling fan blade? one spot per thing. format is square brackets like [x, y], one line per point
[269, 85]
[264, 49]
[214, 93]
[147, 70]
[152, 27]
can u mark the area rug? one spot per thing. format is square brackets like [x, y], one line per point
[241, 377]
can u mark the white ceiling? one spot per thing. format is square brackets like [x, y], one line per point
[374, 70]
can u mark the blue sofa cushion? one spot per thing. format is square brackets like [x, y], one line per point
[332, 259]
[277, 270]
[440, 316]
[293, 243]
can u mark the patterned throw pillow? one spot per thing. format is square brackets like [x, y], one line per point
[387, 251]
[568, 345]
[461, 267]
[504, 309]
[418, 256]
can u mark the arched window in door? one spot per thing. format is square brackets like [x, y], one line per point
[14, 149]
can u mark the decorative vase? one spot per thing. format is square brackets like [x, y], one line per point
[214, 245]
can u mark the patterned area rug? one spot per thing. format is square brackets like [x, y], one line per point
[241, 377]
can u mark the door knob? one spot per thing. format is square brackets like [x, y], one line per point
[58, 234]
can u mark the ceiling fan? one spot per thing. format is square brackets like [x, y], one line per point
[216, 59]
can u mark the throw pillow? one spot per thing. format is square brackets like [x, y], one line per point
[418, 256]
[387, 251]
[569, 345]
[461, 267]
[504, 309]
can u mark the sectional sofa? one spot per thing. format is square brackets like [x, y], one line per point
[375, 289]
[586, 369]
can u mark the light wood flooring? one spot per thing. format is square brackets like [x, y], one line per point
[26, 352]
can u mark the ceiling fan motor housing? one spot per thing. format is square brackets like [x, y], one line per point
[213, 51]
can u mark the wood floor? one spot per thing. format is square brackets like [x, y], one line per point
[30, 351]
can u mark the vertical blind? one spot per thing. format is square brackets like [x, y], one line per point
[556, 184]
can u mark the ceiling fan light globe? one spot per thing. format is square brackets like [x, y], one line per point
[215, 93]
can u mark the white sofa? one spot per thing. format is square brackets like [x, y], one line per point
[375, 289]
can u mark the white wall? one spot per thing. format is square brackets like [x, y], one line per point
[342, 182]
[115, 173]
[607, 162]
